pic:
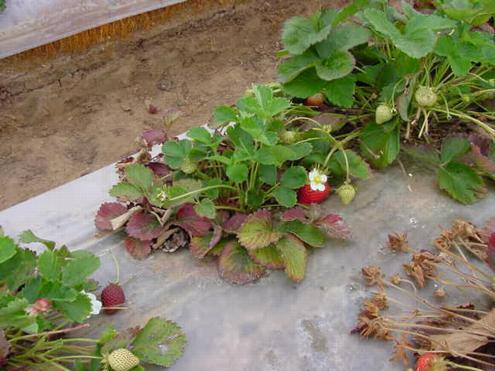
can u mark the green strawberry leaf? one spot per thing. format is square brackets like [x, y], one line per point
[294, 177]
[29, 237]
[237, 173]
[81, 265]
[344, 37]
[8, 248]
[380, 144]
[285, 197]
[278, 154]
[340, 92]
[55, 291]
[224, 114]
[461, 182]
[13, 313]
[269, 257]
[306, 232]
[339, 63]
[299, 33]
[453, 148]
[304, 85]
[263, 103]
[235, 265]
[458, 54]
[473, 12]
[49, 265]
[160, 342]
[294, 255]
[294, 66]
[268, 174]
[139, 176]
[205, 208]
[200, 134]
[358, 168]
[418, 38]
[258, 130]
[257, 231]
[18, 269]
[77, 310]
[176, 152]
[126, 191]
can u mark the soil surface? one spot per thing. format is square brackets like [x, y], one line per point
[63, 117]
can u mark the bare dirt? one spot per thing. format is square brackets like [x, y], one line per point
[69, 115]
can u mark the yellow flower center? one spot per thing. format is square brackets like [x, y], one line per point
[317, 179]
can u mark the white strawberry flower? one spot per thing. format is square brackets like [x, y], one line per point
[95, 303]
[317, 180]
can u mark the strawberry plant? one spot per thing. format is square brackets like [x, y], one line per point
[394, 76]
[46, 297]
[227, 192]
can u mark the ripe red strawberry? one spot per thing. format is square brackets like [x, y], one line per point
[307, 196]
[431, 362]
[112, 296]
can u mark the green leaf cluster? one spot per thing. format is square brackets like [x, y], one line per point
[426, 69]
[56, 274]
[320, 57]
[249, 161]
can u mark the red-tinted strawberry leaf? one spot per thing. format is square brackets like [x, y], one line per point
[159, 169]
[107, 212]
[201, 246]
[235, 265]
[483, 162]
[194, 224]
[153, 136]
[217, 236]
[295, 213]
[334, 226]
[269, 257]
[257, 231]
[143, 226]
[294, 256]
[137, 248]
[233, 224]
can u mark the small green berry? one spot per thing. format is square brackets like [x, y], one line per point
[188, 166]
[346, 193]
[383, 114]
[425, 96]
[289, 136]
[122, 360]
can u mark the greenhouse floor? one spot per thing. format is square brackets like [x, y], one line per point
[273, 324]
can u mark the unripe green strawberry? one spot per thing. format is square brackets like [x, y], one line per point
[425, 96]
[383, 114]
[122, 360]
[188, 166]
[288, 136]
[346, 193]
